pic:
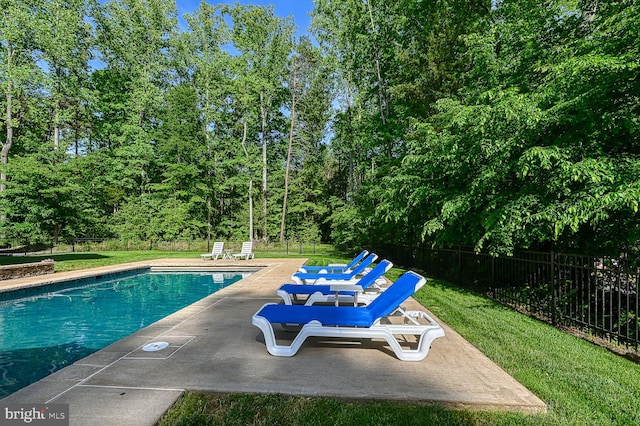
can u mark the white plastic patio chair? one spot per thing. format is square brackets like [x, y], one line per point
[246, 251]
[216, 251]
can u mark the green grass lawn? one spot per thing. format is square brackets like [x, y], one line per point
[75, 261]
[581, 383]
[83, 260]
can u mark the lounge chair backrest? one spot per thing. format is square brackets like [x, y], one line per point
[380, 269]
[403, 288]
[247, 247]
[218, 246]
[358, 270]
[355, 260]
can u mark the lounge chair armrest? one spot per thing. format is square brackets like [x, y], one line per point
[335, 282]
[345, 287]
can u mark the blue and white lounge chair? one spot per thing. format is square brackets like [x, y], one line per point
[353, 322]
[334, 268]
[317, 278]
[337, 291]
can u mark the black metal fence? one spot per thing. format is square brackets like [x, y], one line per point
[597, 295]
[274, 248]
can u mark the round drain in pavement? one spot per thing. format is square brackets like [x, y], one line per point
[155, 346]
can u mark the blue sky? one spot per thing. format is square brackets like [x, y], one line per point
[299, 9]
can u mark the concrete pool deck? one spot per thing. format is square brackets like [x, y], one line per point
[213, 347]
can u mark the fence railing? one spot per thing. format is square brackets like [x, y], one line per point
[597, 295]
[263, 247]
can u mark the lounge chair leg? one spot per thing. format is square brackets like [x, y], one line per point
[270, 339]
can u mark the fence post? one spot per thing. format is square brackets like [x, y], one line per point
[619, 294]
[554, 295]
[459, 263]
[493, 277]
[300, 247]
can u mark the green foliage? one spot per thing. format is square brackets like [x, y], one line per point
[42, 200]
[346, 225]
[539, 148]
[582, 383]
[156, 219]
[496, 124]
[150, 144]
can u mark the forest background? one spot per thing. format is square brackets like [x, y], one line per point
[497, 124]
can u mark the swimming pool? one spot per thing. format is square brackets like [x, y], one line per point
[45, 329]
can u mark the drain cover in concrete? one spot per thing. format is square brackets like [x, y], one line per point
[155, 346]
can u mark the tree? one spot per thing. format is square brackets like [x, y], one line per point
[520, 158]
[17, 67]
[208, 65]
[306, 166]
[17, 70]
[133, 38]
[289, 149]
[45, 200]
[264, 42]
[65, 40]
[172, 126]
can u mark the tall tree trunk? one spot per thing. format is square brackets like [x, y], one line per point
[263, 113]
[6, 146]
[351, 188]
[4, 156]
[251, 230]
[56, 113]
[244, 148]
[382, 99]
[76, 125]
[56, 136]
[207, 140]
[208, 195]
[286, 173]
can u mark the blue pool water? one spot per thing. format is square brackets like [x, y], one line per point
[44, 329]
